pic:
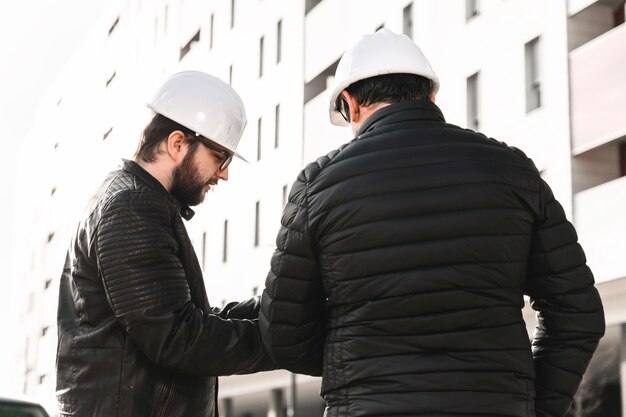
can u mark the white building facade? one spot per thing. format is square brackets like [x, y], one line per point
[546, 76]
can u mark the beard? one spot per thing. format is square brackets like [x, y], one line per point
[187, 186]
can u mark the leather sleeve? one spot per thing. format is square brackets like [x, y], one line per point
[291, 318]
[248, 309]
[569, 311]
[147, 289]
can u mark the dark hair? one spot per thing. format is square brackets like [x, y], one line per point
[388, 88]
[158, 131]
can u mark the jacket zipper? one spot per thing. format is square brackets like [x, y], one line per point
[168, 396]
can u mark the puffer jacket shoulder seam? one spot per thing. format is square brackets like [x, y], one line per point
[312, 170]
[519, 154]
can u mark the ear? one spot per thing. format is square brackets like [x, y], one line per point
[355, 109]
[175, 145]
[432, 97]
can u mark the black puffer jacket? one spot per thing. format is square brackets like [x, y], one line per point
[137, 336]
[401, 268]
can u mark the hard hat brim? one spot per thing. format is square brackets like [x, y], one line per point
[238, 155]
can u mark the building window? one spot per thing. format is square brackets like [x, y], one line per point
[50, 236]
[53, 191]
[472, 102]
[47, 284]
[257, 210]
[31, 302]
[255, 292]
[310, 4]
[276, 125]
[471, 9]
[533, 75]
[278, 405]
[320, 83]
[232, 14]
[407, 20]
[165, 18]
[285, 195]
[261, 56]
[114, 25]
[279, 41]
[185, 49]
[258, 139]
[382, 26]
[203, 250]
[107, 133]
[622, 159]
[211, 31]
[111, 78]
[44, 331]
[619, 15]
[225, 250]
[230, 75]
[226, 407]
[42, 379]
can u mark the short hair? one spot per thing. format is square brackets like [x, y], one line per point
[158, 131]
[388, 88]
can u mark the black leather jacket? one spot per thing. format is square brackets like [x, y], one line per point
[137, 336]
[401, 269]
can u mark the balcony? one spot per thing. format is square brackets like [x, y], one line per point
[254, 395]
[598, 90]
[324, 40]
[320, 136]
[601, 227]
[332, 26]
[576, 6]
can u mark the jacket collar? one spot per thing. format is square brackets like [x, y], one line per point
[401, 112]
[134, 168]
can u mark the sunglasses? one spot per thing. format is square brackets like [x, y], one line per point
[341, 105]
[226, 157]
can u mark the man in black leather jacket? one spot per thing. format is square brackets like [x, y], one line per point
[137, 336]
[404, 257]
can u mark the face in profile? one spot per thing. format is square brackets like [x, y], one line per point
[190, 183]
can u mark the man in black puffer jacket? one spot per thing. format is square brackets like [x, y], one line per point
[137, 336]
[404, 257]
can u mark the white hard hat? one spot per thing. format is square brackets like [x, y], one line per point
[380, 53]
[204, 104]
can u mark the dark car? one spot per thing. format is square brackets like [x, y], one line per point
[20, 408]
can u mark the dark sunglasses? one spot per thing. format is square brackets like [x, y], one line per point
[227, 157]
[341, 105]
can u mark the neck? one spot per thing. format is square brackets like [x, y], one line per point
[365, 113]
[158, 171]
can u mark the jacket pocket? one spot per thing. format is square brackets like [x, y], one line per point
[88, 380]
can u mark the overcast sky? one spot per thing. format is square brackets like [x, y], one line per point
[37, 37]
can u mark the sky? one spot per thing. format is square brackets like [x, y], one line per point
[37, 37]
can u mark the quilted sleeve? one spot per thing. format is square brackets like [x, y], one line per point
[569, 311]
[291, 319]
[147, 290]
